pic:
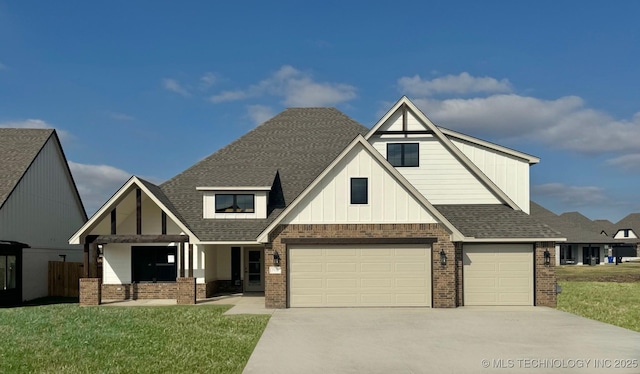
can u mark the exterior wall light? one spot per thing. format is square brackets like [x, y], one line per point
[547, 257]
[443, 258]
[276, 258]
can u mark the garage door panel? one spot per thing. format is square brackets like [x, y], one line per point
[376, 253]
[382, 267]
[374, 276]
[498, 274]
[302, 267]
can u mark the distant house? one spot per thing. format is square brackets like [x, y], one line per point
[314, 209]
[39, 209]
[591, 242]
[584, 245]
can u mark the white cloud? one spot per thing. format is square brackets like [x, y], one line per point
[175, 86]
[295, 87]
[464, 83]
[571, 195]
[121, 116]
[97, 183]
[35, 124]
[259, 113]
[629, 162]
[207, 80]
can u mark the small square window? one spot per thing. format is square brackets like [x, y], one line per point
[403, 154]
[359, 190]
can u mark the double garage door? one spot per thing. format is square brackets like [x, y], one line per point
[366, 275]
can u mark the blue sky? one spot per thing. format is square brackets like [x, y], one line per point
[150, 87]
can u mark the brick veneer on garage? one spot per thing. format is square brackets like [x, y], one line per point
[545, 276]
[446, 287]
[90, 291]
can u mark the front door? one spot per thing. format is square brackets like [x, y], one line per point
[254, 271]
[590, 253]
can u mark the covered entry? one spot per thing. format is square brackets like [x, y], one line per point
[11, 272]
[344, 275]
[498, 274]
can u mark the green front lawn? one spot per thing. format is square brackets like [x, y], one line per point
[610, 302]
[66, 338]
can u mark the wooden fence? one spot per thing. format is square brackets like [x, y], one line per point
[64, 278]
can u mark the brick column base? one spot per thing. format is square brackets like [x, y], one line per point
[90, 291]
[186, 291]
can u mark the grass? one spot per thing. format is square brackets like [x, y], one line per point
[610, 302]
[66, 338]
[606, 293]
[625, 272]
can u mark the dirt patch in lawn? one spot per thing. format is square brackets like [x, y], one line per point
[622, 273]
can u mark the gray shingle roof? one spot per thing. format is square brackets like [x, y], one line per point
[573, 226]
[297, 145]
[18, 149]
[488, 221]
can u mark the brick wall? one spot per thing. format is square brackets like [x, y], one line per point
[186, 291]
[90, 291]
[545, 276]
[445, 287]
[135, 291]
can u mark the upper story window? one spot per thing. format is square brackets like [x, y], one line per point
[626, 233]
[359, 190]
[235, 203]
[403, 154]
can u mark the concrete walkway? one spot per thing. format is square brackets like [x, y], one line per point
[242, 303]
[462, 340]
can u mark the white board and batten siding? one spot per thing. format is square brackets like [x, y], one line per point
[43, 210]
[352, 276]
[388, 200]
[440, 177]
[509, 173]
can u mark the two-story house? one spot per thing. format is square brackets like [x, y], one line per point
[313, 209]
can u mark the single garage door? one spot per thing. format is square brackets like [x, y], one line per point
[366, 275]
[498, 274]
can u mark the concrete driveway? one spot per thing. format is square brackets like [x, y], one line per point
[462, 340]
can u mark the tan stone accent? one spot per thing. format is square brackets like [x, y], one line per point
[445, 283]
[545, 276]
[90, 291]
[186, 291]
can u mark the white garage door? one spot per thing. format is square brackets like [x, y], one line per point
[498, 274]
[364, 275]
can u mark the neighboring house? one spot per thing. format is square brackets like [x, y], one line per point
[585, 244]
[314, 209]
[39, 209]
[627, 234]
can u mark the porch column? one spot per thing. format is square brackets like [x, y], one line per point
[93, 260]
[85, 263]
[181, 259]
[190, 260]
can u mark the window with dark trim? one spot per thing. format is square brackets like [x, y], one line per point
[235, 203]
[403, 154]
[359, 190]
[154, 263]
[626, 233]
